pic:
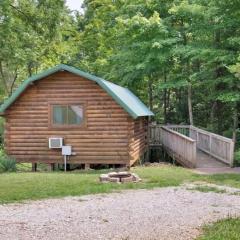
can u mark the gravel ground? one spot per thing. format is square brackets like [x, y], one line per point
[166, 214]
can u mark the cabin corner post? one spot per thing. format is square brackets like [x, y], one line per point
[128, 140]
[6, 135]
[130, 136]
[146, 157]
[148, 139]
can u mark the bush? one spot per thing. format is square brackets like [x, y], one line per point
[7, 164]
[237, 158]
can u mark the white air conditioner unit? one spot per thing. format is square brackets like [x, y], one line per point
[55, 142]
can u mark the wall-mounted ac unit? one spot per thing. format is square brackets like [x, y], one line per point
[55, 142]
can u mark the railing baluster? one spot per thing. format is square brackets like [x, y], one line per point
[174, 137]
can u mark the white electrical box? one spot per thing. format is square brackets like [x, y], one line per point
[66, 150]
[55, 142]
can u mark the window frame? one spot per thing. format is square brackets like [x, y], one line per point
[66, 126]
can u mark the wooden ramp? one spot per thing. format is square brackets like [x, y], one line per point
[204, 160]
[193, 147]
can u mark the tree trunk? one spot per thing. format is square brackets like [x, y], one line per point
[212, 115]
[165, 99]
[235, 124]
[29, 68]
[13, 83]
[150, 94]
[168, 98]
[4, 80]
[190, 112]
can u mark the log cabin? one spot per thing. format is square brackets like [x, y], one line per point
[65, 111]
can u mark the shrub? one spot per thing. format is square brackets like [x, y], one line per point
[7, 164]
[237, 158]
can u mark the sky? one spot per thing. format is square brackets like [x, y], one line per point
[74, 4]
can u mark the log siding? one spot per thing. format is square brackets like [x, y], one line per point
[138, 138]
[109, 134]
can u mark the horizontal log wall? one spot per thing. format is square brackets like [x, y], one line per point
[138, 138]
[103, 140]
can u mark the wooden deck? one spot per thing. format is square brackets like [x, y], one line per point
[193, 147]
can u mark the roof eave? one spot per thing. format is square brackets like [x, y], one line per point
[118, 100]
[25, 84]
[73, 70]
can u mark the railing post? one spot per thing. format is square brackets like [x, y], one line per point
[194, 154]
[210, 143]
[231, 153]
[197, 136]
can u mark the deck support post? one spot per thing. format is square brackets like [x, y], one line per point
[34, 167]
[52, 167]
[86, 166]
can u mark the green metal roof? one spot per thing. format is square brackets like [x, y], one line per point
[124, 97]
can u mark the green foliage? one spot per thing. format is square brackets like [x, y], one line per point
[33, 36]
[237, 158]
[172, 54]
[7, 164]
[222, 229]
[159, 48]
[232, 180]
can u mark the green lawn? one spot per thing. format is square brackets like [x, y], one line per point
[208, 189]
[227, 229]
[27, 185]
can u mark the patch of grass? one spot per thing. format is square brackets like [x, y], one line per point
[224, 229]
[26, 185]
[23, 186]
[165, 176]
[24, 167]
[232, 180]
[205, 189]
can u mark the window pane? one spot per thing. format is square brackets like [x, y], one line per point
[75, 114]
[59, 114]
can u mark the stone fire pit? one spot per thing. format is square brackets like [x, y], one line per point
[119, 177]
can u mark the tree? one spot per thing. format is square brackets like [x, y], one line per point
[30, 41]
[235, 69]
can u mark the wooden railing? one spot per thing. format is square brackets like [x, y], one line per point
[183, 129]
[179, 146]
[219, 147]
[183, 140]
[154, 134]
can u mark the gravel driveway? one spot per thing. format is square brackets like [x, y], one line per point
[166, 213]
